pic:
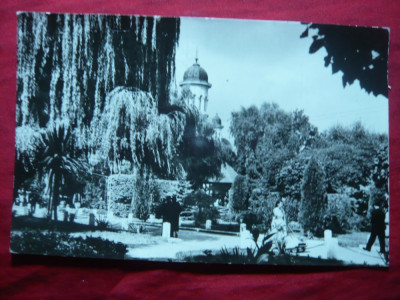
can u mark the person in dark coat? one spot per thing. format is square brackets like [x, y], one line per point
[377, 229]
[169, 210]
[175, 212]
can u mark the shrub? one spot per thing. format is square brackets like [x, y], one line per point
[207, 213]
[340, 207]
[101, 223]
[235, 256]
[206, 209]
[62, 244]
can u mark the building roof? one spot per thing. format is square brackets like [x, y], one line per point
[195, 75]
[228, 175]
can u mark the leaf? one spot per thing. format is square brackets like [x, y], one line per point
[335, 68]
[267, 237]
[327, 60]
[304, 34]
[316, 45]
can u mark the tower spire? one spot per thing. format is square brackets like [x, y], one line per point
[197, 54]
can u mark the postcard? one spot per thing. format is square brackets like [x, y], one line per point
[201, 140]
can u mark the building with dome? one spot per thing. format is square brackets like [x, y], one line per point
[194, 91]
[195, 86]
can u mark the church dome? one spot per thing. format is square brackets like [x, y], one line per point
[195, 75]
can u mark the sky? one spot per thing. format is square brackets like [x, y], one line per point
[252, 62]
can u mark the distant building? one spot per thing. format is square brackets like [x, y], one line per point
[218, 188]
[195, 84]
[195, 88]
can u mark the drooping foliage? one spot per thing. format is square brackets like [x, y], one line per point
[132, 130]
[67, 64]
[359, 52]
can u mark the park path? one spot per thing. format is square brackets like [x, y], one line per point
[195, 243]
[350, 255]
[187, 243]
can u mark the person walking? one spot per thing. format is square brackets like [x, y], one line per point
[175, 212]
[377, 228]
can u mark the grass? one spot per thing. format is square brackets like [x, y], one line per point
[353, 239]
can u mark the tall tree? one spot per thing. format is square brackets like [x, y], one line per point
[201, 152]
[313, 198]
[67, 64]
[132, 130]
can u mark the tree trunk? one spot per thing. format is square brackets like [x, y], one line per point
[49, 204]
[56, 192]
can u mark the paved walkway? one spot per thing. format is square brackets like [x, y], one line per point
[350, 255]
[187, 243]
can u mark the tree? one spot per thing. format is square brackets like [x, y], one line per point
[267, 137]
[200, 151]
[262, 204]
[379, 191]
[184, 188]
[289, 183]
[132, 131]
[270, 144]
[241, 192]
[313, 198]
[380, 172]
[57, 158]
[146, 197]
[67, 64]
[348, 156]
[359, 52]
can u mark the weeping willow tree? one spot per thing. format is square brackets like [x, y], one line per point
[131, 130]
[67, 64]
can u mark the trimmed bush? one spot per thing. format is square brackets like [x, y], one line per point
[62, 244]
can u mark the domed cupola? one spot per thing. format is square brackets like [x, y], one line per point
[195, 81]
[195, 75]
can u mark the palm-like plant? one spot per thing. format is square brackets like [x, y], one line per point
[57, 157]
